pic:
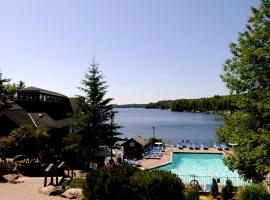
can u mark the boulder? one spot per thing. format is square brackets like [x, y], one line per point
[10, 177]
[48, 189]
[72, 193]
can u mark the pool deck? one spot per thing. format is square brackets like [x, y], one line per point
[166, 157]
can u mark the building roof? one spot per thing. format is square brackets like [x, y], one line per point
[17, 114]
[138, 139]
[35, 89]
[76, 108]
[43, 119]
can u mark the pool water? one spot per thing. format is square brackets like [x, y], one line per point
[203, 166]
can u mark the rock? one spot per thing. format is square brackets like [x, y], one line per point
[52, 190]
[72, 193]
[48, 189]
[10, 177]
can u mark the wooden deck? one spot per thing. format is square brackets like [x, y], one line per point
[166, 157]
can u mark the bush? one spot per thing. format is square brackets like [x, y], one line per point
[109, 183]
[253, 192]
[30, 167]
[6, 167]
[214, 188]
[157, 185]
[77, 183]
[192, 194]
[127, 182]
[227, 191]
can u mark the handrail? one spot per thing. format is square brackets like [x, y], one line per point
[54, 171]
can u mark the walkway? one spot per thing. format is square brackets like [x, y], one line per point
[27, 189]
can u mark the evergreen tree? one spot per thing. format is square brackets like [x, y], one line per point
[3, 90]
[248, 73]
[96, 126]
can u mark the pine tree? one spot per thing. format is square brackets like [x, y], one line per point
[3, 90]
[247, 73]
[96, 126]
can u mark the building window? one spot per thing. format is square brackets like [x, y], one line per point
[131, 144]
[41, 97]
[32, 98]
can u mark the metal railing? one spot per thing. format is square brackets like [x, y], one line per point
[236, 181]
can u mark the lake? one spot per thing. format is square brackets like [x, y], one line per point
[172, 127]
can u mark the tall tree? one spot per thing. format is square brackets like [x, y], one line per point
[248, 73]
[3, 90]
[96, 126]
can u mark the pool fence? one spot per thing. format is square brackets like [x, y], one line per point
[203, 180]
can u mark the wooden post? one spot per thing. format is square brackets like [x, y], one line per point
[45, 179]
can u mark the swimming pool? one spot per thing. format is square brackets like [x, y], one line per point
[203, 166]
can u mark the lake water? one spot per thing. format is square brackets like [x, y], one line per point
[172, 127]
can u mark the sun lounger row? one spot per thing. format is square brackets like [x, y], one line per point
[132, 162]
[221, 146]
[155, 152]
[189, 145]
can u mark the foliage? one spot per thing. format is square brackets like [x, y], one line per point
[30, 167]
[77, 183]
[94, 128]
[157, 185]
[253, 192]
[6, 167]
[3, 81]
[109, 183]
[153, 140]
[28, 140]
[127, 182]
[160, 105]
[214, 188]
[7, 90]
[247, 73]
[227, 190]
[6, 147]
[11, 89]
[192, 194]
[215, 104]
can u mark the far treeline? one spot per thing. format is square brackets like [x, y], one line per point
[209, 104]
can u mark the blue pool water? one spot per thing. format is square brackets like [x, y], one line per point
[203, 166]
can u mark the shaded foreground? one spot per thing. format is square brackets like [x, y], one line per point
[27, 189]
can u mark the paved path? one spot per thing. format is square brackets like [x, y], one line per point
[28, 189]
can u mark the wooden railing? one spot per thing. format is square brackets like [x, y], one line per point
[55, 171]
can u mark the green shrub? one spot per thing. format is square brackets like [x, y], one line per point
[30, 167]
[253, 192]
[192, 194]
[77, 183]
[6, 167]
[157, 185]
[127, 182]
[214, 188]
[109, 183]
[227, 191]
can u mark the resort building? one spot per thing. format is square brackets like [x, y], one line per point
[39, 107]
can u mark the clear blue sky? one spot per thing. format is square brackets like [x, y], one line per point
[148, 50]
